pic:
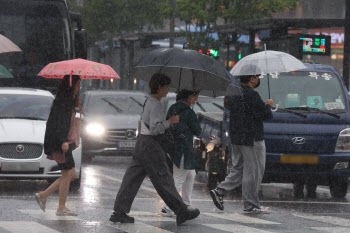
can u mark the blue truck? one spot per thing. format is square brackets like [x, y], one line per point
[308, 139]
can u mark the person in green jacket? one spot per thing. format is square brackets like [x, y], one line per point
[184, 161]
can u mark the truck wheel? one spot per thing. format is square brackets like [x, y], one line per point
[338, 188]
[311, 190]
[298, 190]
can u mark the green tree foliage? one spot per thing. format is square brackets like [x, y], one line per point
[107, 18]
[203, 14]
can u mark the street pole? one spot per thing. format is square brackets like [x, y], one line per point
[346, 59]
[172, 24]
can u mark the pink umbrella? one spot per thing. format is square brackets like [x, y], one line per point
[84, 68]
[7, 45]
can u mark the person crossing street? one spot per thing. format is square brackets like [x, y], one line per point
[248, 153]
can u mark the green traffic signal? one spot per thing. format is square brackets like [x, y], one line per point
[214, 53]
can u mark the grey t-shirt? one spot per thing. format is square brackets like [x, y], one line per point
[155, 117]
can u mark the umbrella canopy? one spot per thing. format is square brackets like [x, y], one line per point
[7, 45]
[267, 61]
[4, 73]
[84, 68]
[188, 69]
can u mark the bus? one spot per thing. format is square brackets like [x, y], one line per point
[44, 30]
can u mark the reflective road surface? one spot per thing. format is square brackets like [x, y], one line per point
[100, 182]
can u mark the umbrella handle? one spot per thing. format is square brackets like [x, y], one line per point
[274, 110]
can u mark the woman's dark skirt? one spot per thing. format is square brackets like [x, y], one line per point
[69, 163]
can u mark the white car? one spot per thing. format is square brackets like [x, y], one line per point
[23, 116]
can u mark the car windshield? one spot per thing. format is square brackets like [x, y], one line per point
[115, 104]
[25, 106]
[204, 104]
[304, 90]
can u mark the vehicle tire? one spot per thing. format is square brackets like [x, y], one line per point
[311, 190]
[338, 187]
[298, 190]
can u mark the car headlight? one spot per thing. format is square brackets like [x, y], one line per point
[343, 143]
[137, 132]
[95, 129]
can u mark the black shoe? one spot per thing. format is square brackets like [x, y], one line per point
[218, 199]
[121, 217]
[187, 214]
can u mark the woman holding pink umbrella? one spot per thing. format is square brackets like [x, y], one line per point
[60, 140]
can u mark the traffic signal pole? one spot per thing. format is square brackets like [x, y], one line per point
[346, 59]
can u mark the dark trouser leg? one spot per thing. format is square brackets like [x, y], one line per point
[162, 180]
[154, 161]
[132, 180]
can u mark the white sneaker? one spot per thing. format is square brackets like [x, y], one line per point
[261, 210]
[166, 212]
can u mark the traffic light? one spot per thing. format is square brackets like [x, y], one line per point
[239, 54]
[214, 53]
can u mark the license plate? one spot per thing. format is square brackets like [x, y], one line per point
[20, 166]
[126, 144]
[299, 159]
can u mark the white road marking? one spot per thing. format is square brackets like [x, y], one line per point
[331, 229]
[137, 227]
[326, 219]
[152, 190]
[235, 228]
[241, 218]
[48, 215]
[25, 227]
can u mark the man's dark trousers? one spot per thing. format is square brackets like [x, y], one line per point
[149, 159]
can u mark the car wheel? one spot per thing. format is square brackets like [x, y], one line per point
[338, 188]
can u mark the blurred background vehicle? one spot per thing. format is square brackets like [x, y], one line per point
[23, 116]
[110, 122]
[204, 103]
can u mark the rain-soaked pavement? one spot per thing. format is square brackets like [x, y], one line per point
[102, 178]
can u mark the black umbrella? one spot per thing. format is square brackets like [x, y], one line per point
[188, 69]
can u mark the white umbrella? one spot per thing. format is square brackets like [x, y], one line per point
[7, 45]
[266, 62]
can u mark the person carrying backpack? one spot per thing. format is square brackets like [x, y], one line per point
[184, 161]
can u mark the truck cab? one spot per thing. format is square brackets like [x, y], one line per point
[308, 139]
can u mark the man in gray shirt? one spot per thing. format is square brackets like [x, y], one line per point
[150, 159]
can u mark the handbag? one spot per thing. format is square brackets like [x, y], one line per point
[167, 139]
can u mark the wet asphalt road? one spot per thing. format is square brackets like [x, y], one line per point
[100, 182]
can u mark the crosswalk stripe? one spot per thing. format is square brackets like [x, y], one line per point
[326, 219]
[137, 227]
[240, 218]
[331, 229]
[235, 228]
[24, 226]
[48, 215]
